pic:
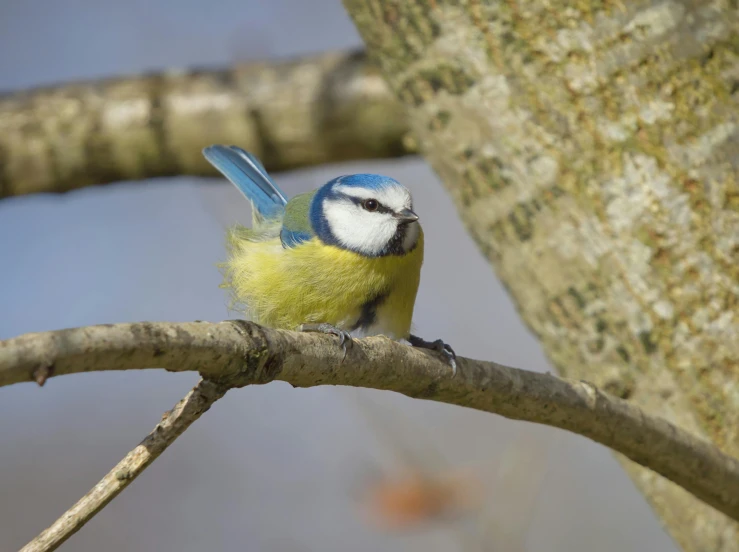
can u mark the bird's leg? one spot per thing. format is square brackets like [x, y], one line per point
[345, 338]
[439, 346]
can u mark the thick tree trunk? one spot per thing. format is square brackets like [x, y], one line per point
[592, 150]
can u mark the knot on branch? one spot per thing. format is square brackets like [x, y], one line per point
[259, 365]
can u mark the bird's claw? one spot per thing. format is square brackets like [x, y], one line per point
[446, 350]
[439, 346]
[345, 338]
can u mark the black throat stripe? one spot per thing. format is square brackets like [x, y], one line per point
[368, 315]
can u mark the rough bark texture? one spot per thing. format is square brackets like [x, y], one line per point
[238, 353]
[592, 150]
[321, 109]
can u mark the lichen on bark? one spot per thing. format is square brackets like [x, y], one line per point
[592, 149]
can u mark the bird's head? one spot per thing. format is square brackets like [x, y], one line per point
[366, 213]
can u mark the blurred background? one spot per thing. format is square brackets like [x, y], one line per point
[269, 468]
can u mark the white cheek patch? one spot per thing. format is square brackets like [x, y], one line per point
[396, 198]
[358, 229]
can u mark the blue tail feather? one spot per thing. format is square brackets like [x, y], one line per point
[248, 174]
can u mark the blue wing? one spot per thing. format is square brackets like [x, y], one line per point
[248, 174]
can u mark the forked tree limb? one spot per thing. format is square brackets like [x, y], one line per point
[172, 425]
[317, 109]
[237, 353]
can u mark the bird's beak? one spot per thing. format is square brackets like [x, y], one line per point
[406, 215]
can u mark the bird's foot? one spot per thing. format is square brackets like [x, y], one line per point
[439, 346]
[345, 338]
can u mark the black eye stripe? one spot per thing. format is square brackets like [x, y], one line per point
[382, 209]
[358, 201]
[354, 200]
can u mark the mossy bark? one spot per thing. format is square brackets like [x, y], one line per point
[592, 149]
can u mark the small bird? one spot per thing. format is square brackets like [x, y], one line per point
[344, 259]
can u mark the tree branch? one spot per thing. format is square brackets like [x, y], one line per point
[238, 353]
[319, 109]
[172, 425]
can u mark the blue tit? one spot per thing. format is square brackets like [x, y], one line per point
[343, 259]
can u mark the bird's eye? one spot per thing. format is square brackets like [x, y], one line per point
[370, 204]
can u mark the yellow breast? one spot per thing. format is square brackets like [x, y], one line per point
[316, 283]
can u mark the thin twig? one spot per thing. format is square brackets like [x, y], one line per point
[172, 425]
[238, 353]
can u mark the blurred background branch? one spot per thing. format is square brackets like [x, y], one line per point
[238, 353]
[320, 109]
